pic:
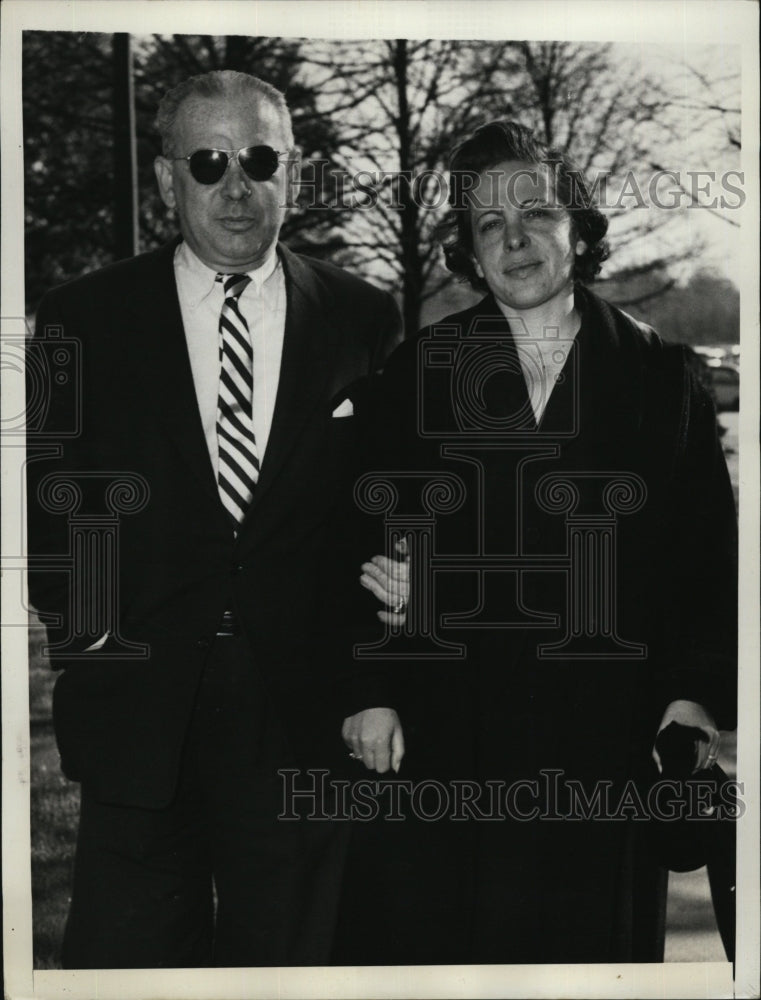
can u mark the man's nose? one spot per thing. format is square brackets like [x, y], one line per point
[235, 183]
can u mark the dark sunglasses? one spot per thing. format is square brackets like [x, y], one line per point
[209, 165]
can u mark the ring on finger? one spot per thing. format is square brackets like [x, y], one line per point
[400, 606]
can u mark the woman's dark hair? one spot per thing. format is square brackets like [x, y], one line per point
[490, 145]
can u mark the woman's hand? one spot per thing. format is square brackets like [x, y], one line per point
[389, 580]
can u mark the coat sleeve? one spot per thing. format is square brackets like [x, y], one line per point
[388, 420]
[54, 439]
[700, 569]
[349, 614]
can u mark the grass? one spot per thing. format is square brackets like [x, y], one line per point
[54, 814]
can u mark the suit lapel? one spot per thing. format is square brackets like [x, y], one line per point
[162, 365]
[309, 346]
[162, 362]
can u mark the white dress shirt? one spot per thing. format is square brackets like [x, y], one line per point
[263, 304]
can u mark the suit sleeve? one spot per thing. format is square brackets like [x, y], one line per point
[362, 683]
[54, 431]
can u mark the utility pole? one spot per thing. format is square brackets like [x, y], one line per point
[125, 153]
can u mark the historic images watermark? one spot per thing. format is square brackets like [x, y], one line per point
[663, 188]
[548, 796]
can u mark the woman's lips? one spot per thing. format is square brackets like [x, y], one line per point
[521, 270]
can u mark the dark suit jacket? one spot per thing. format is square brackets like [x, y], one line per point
[120, 721]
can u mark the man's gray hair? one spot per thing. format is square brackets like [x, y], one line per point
[225, 83]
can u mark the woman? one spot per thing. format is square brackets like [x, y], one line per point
[588, 572]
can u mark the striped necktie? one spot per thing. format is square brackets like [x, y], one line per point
[238, 460]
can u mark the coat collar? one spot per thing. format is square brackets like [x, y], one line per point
[601, 394]
[610, 368]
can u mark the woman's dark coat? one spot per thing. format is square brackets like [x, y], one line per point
[629, 414]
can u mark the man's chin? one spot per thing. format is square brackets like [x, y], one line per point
[234, 259]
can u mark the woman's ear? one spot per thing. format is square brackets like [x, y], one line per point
[581, 247]
[477, 266]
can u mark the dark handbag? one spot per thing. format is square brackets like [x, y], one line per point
[704, 834]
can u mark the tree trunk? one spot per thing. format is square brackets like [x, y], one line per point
[412, 265]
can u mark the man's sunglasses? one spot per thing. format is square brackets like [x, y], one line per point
[209, 165]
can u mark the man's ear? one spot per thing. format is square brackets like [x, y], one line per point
[293, 177]
[165, 177]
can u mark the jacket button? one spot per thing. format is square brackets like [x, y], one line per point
[237, 568]
[203, 642]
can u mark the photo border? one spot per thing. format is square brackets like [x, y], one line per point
[729, 21]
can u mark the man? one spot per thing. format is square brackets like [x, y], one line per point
[586, 551]
[222, 379]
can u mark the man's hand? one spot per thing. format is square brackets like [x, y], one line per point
[690, 713]
[375, 737]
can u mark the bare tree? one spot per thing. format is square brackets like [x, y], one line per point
[402, 104]
[385, 113]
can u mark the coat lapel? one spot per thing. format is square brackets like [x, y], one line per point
[309, 347]
[163, 366]
[609, 375]
[600, 394]
[504, 394]
[162, 363]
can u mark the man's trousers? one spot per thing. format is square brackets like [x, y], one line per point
[215, 879]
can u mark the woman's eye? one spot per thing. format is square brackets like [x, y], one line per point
[535, 213]
[488, 224]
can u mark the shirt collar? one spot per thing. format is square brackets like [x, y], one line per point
[202, 279]
[545, 345]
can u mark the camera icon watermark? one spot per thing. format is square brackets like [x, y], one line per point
[42, 381]
[476, 371]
